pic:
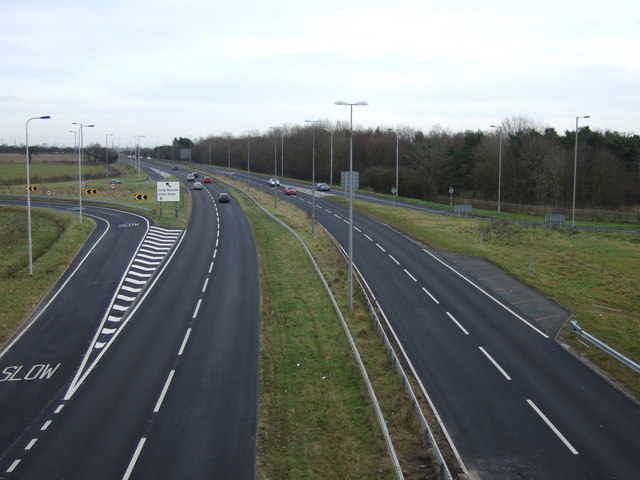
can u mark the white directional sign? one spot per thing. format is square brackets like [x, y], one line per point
[168, 191]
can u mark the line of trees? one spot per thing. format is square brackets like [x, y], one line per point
[537, 162]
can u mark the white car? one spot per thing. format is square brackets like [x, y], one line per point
[274, 182]
[197, 186]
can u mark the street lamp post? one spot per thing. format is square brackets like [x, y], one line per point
[29, 242]
[138, 137]
[106, 154]
[351, 188]
[228, 151]
[575, 169]
[275, 168]
[81, 126]
[499, 166]
[248, 132]
[395, 192]
[313, 175]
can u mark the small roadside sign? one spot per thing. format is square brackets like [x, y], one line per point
[90, 191]
[168, 191]
[140, 196]
[31, 188]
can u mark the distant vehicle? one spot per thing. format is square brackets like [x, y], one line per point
[191, 177]
[148, 157]
[289, 191]
[195, 174]
[274, 182]
[223, 197]
[197, 186]
[206, 179]
[175, 167]
[115, 180]
[323, 187]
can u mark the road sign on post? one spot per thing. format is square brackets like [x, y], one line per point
[168, 191]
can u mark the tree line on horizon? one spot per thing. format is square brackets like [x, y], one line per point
[537, 162]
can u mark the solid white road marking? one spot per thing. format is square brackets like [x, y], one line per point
[495, 364]
[552, 427]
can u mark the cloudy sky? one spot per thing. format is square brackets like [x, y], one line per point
[194, 68]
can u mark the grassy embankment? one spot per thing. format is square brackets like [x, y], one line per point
[594, 275]
[316, 419]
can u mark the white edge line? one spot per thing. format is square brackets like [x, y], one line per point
[134, 459]
[156, 409]
[523, 320]
[552, 427]
[458, 323]
[495, 364]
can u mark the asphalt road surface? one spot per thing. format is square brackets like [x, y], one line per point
[513, 402]
[166, 388]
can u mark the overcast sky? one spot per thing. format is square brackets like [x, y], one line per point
[199, 67]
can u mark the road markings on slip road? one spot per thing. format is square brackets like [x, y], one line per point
[495, 364]
[552, 427]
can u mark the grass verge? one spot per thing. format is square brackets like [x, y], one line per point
[57, 236]
[315, 418]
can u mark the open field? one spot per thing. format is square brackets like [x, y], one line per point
[39, 158]
[162, 213]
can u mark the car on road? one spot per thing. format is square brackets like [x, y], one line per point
[289, 191]
[323, 187]
[115, 180]
[197, 186]
[175, 167]
[206, 180]
[223, 197]
[274, 182]
[195, 174]
[191, 177]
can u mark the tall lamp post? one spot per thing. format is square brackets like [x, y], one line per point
[395, 192]
[275, 167]
[313, 175]
[81, 126]
[138, 137]
[351, 188]
[29, 243]
[575, 169]
[106, 153]
[228, 150]
[248, 132]
[499, 165]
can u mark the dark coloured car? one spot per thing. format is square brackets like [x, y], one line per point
[223, 197]
[323, 187]
[175, 167]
